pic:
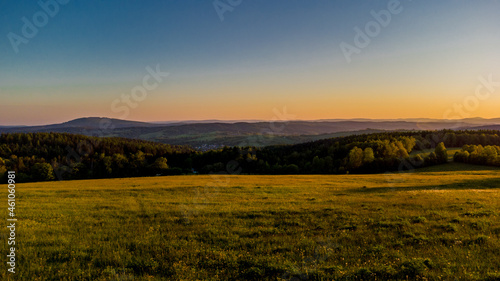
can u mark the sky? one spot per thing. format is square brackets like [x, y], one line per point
[247, 59]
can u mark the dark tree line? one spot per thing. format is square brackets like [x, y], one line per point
[49, 156]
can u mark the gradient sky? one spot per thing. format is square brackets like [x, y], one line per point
[264, 55]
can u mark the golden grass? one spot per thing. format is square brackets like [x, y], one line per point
[434, 224]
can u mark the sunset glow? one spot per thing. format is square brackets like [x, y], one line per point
[264, 55]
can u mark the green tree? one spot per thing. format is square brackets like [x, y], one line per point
[79, 171]
[108, 165]
[3, 168]
[368, 155]
[160, 164]
[461, 156]
[42, 172]
[441, 154]
[138, 160]
[490, 154]
[431, 159]
[408, 143]
[401, 151]
[355, 159]
[291, 169]
[318, 165]
[120, 160]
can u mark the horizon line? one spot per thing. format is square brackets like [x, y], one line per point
[258, 120]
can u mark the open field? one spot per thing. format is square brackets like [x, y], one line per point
[441, 223]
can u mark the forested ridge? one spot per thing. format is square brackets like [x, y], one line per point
[63, 156]
[48, 156]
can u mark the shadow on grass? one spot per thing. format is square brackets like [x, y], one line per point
[453, 167]
[491, 183]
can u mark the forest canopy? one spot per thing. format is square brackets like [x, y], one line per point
[62, 156]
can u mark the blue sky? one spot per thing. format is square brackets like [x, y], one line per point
[264, 55]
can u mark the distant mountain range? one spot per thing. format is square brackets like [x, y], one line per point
[209, 134]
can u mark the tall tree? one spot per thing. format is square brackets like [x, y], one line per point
[355, 158]
[368, 155]
[441, 154]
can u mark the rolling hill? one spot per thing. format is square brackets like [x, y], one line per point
[206, 135]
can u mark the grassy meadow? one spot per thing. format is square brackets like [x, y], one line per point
[440, 223]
